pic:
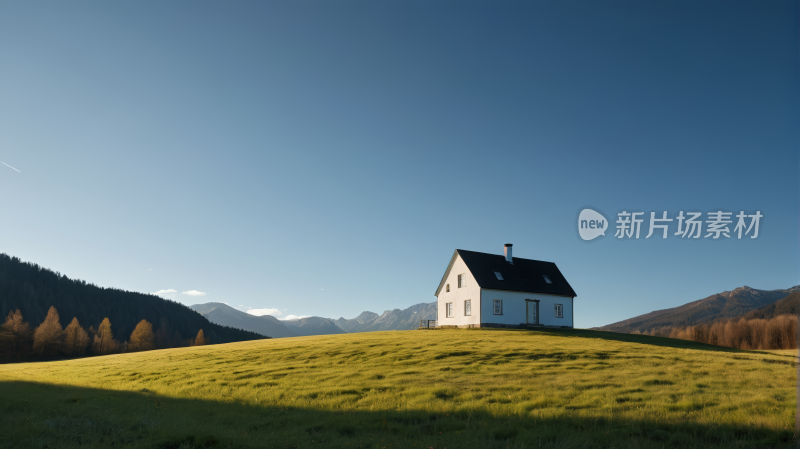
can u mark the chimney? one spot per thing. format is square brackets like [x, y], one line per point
[507, 252]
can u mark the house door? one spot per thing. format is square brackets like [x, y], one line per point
[533, 312]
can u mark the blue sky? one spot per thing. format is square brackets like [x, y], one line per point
[326, 158]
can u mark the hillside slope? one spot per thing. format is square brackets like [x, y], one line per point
[228, 316]
[34, 289]
[437, 388]
[789, 305]
[727, 304]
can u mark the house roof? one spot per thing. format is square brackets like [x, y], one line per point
[524, 275]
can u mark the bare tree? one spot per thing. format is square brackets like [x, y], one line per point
[775, 333]
[700, 333]
[789, 329]
[774, 336]
[49, 336]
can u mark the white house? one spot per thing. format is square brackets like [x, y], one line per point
[488, 290]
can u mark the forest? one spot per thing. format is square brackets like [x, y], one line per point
[772, 326]
[19, 341]
[777, 332]
[33, 295]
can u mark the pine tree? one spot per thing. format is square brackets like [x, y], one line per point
[104, 342]
[16, 336]
[49, 336]
[75, 339]
[142, 338]
[177, 339]
[201, 339]
[163, 337]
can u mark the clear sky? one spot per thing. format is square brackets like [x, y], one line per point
[326, 158]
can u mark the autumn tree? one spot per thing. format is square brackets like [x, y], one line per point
[75, 339]
[49, 336]
[34, 289]
[16, 336]
[104, 342]
[778, 332]
[758, 333]
[201, 340]
[142, 338]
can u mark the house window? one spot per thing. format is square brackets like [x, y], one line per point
[547, 279]
[462, 282]
[448, 288]
[499, 276]
[498, 306]
[449, 309]
[468, 307]
[559, 311]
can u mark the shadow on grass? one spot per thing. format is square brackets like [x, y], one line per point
[49, 416]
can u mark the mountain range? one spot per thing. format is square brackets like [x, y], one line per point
[313, 325]
[728, 304]
[743, 301]
[34, 289]
[396, 319]
[390, 320]
[220, 313]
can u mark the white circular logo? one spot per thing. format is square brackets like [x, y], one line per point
[591, 224]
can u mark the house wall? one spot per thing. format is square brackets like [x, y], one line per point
[514, 311]
[457, 296]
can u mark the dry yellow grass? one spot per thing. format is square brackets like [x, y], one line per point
[454, 388]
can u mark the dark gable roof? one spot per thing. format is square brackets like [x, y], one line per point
[524, 275]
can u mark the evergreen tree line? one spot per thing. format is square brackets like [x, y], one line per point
[18, 340]
[32, 290]
[777, 332]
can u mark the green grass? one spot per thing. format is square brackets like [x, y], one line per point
[412, 389]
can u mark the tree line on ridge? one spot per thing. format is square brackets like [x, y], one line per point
[19, 341]
[33, 291]
[777, 332]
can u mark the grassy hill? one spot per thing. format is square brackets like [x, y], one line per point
[411, 389]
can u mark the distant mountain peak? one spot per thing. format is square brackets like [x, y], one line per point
[395, 319]
[727, 304]
[366, 317]
[223, 314]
